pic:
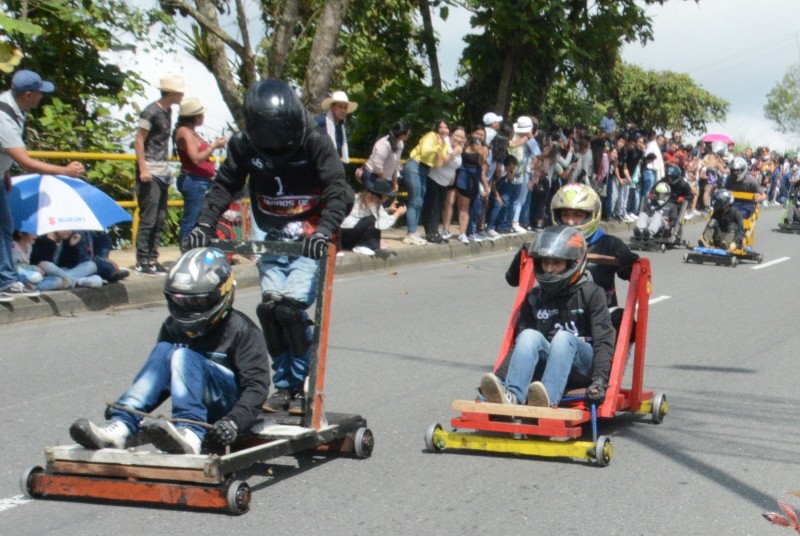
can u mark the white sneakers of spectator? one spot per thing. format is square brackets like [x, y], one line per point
[363, 250]
[92, 281]
[519, 229]
[17, 288]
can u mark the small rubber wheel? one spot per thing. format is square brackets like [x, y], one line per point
[238, 497]
[663, 248]
[685, 257]
[760, 258]
[25, 480]
[363, 442]
[603, 451]
[660, 407]
[430, 434]
[734, 262]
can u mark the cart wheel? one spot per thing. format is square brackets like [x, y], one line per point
[734, 262]
[430, 433]
[759, 258]
[25, 480]
[663, 248]
[238, 497]
[686, 257]
[660, 407]
[603, 451]
[364, 442]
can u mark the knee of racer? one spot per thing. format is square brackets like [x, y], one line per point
[529, 336]
[563, 336]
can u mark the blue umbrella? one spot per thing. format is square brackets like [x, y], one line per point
[44, 203]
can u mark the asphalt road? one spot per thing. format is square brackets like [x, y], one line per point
[721, 344]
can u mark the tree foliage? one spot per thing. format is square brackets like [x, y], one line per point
[783, 102]
[666, 100]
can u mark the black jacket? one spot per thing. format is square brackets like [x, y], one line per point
[309, 187]
[238, 345]
[581, 310]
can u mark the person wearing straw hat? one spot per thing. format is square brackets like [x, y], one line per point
[27, 90]
[197, 169]
[152, 172]
[336, 108]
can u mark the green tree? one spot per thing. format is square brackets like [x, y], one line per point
[783, 102]
[666, 100]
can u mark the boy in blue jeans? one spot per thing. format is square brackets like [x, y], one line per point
[502, 190]
[564, 331]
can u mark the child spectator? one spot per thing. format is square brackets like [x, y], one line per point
[564, 322]
[503, 190]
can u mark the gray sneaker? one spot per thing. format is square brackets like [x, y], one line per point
[492, 389]
[537, 395]
[167, 438]
[110, 434]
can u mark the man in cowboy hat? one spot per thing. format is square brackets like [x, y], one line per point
[336, 108]
[153, 175]
[27, 90]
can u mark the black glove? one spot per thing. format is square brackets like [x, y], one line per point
[223, 433]
[198, 237]
[596, 392]
[315, 245]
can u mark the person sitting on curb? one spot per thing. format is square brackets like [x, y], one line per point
[361, 229]
[564, 322]
[211, 358]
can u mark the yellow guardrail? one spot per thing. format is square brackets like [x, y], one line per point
[132, 204]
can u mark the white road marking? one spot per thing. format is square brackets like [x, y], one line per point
[658, 299]
[11, 502]
[770, 263]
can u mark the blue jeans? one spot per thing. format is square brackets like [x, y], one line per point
[415, 176]
[560, 356]
[498, 211]
[520, 197]
[7, 273]
[646, 184]
[71, 275]
[201, 390]
[296, 278]
[193, 189]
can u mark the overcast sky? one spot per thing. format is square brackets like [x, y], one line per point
[736, 49]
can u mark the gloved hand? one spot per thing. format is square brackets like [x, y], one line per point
[315, 245]
[596, 392]
[223, 433]
[733, 246]
[198, 237]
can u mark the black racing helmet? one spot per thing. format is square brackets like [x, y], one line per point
[674, 173]
[274, 119]
[722, 200]
[738, 168]
[199, 290]
[561, 243]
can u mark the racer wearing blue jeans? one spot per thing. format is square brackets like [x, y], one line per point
[564, 330]
[210, 358]
[298, 193]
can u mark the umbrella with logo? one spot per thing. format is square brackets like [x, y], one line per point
[44, 203]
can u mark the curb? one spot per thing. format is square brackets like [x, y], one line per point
[140, 290]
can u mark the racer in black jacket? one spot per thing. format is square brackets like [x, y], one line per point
[563, 323]
[725, 228]
[209, 357]
[298, 191]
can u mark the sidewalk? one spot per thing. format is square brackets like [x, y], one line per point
[138, 289]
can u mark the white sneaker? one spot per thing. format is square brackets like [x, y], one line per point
[92, 281]
[167, 438]
[111, 434]
[519, 229]
[689, 214]
[414, 240]
[364, 250]
[18, 288]
[463, 239]
[630, 217]
[537, 395]
[492, 234]
[477, 238]
[446, 235]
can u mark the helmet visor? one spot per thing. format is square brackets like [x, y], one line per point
[193, 303]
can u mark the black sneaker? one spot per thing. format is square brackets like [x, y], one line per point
[145, 269]
[277, 401]
[435, 238]
[297, 406]
[158, 269]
